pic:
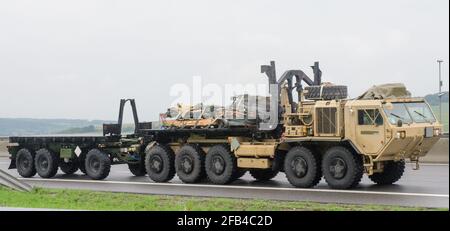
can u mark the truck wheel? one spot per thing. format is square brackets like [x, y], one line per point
[137, 169]
[97, 164]
[160, 163]
[341, 168]
[70, 167]
[25, 163]
[190, 164]
[46, 163]
[302, 168]
[393, 171]
[220, 164]
[263, 174]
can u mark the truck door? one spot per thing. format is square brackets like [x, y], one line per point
[370, 130]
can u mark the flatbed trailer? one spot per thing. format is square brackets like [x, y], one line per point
[44, 154]
[322, 134]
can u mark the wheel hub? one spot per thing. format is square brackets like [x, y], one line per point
[43, 163]
[156, 163]
[299, 167]
[24, 163]
[94, 164]
[338, 168]
[186, 164]
[218, 164]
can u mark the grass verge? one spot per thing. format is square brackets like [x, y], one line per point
[90, 200]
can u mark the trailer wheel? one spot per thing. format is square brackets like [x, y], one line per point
[97, 164]
[25, 163]
[220, 164]
[160, 163]
[70, 167]
[263, 174]
[393, 171]
[190, 164]
[302, 168]
[341, 168]
[46, 163]
[137, 169]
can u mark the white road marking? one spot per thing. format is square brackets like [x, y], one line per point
[433, 164]
[242, 187]
[427, 164]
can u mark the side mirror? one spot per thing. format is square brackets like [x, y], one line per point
[399, 123]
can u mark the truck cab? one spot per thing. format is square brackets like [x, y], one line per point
[391, 129]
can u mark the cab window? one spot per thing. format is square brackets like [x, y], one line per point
[398, 112]
[370, 117]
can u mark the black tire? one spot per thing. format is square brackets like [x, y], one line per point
[25, 163]
[190, 164]
[137, 169]
[302, 168]
[70, 167]
[393, 171]
[342, 169]
[326, 92]
[46, 163]
[160, 163]
[221, 165]
[97, 164]
[263, 174]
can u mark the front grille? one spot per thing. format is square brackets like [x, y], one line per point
[326, 120]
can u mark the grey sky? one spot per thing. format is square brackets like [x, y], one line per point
[76, 59]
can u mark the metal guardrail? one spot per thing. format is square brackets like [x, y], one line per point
[12, 182]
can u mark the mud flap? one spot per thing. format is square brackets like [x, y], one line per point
[12, 165]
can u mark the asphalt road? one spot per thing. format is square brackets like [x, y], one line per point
[428, 187]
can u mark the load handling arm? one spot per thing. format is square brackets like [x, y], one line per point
[287, 78]
[116, 129]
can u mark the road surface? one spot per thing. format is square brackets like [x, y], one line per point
[427, 187]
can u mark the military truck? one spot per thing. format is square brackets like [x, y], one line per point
[312, 132]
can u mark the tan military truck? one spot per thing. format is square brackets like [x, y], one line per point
[322, 134]
[342, 139]
[307, 133]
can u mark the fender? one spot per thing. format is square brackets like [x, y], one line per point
[150, 145]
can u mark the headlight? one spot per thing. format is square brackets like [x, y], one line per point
[437, 132]
[400, 135]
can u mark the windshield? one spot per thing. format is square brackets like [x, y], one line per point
[410, 112]
[420, 112]
[398, 112]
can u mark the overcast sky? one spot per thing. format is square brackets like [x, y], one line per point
[76, 59]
